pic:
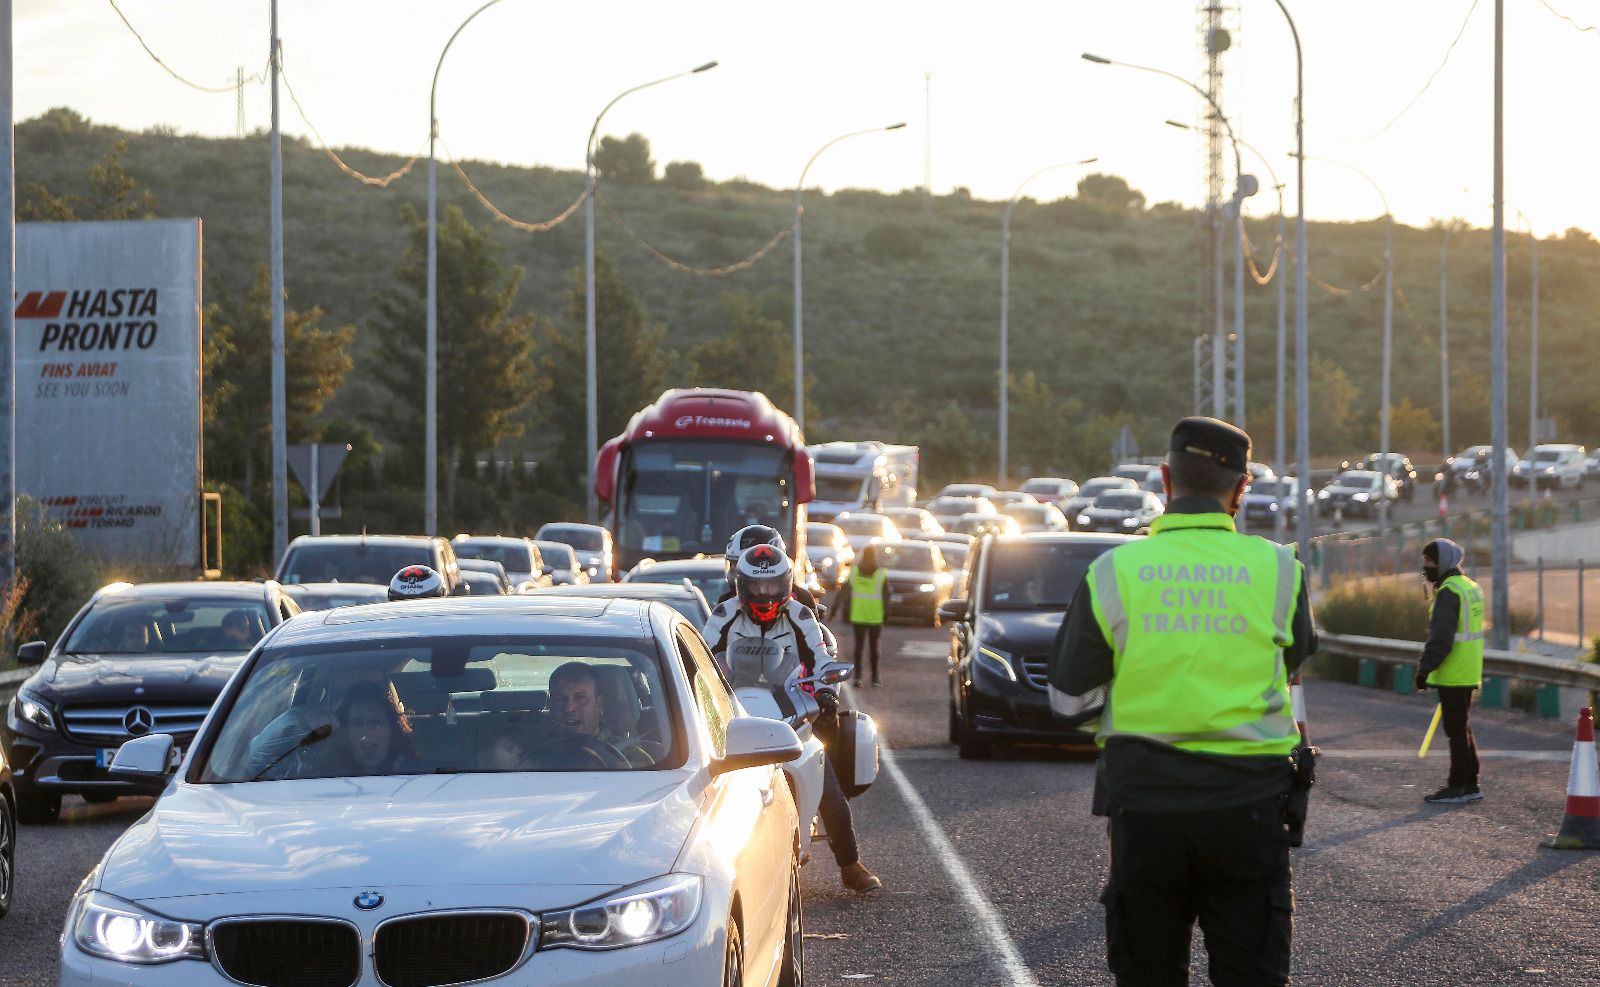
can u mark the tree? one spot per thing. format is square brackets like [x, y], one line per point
[113, 194]
[686, 175]
[237, 346]
[750, 351]
[1412, 429]
[631, 367]
[625, 160]
[1110, 192]
[486, 370]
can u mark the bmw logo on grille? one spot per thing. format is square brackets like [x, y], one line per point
[368, 900]
[139, 721]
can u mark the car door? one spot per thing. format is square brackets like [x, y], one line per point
[750, 805]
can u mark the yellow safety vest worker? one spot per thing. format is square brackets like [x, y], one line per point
[866, 597]
[1464, 664]
[1198, 617]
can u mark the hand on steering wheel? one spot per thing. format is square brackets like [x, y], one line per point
[596, 754]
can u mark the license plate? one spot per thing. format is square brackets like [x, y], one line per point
[104, 756]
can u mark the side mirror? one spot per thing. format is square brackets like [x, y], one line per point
[953, 610]
[750, 742]
[146, 761]
[32, 653]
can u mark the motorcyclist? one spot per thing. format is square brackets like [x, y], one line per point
[417, 582]
[765, 607]
[747, 538]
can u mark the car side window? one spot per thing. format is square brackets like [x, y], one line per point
[711, 692]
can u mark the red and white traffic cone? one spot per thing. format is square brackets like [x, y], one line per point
[1297, 704]
[1580, 828]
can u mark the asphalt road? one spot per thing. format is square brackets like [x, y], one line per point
[993, 868]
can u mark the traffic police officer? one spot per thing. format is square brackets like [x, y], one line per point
[1195, 631]
[1452, 662]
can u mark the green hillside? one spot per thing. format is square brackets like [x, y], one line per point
[901, 304]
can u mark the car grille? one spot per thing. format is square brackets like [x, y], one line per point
[453, 948]
[1036, 672]
[107, 724]
[288, 952]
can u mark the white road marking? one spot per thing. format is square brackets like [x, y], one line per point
[1398, 753]
[987, 918]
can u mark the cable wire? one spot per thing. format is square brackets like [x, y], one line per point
[1575, 25]
[258, 77]
[1250, 257]
[1334, 289]
[713, 272]
[1448, 52]
[380, 181]
[511, 221]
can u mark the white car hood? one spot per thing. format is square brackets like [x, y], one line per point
[580, 828]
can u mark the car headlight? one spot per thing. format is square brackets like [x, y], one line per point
[1129, 522]
[925, 588]
[995, 661]
[113, 929]
[827, 563]
[1272, 505]
[640, 914]
[1083, 519]
[29, 708]
[1323, 495]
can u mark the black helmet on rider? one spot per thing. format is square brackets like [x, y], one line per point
[417, 582]
[749, 537]
[766, 581]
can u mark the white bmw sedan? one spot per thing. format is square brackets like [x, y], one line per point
[499, 790]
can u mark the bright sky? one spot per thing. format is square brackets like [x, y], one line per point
[1009, 93]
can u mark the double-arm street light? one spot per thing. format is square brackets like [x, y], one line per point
[799, 314]
[591, 400]
[1005, 309]
[430, 456]
[1218, 341]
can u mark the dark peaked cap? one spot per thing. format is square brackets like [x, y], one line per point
[1224, 444]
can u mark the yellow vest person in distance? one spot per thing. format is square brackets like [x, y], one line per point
[866, 596]
[1198, 646]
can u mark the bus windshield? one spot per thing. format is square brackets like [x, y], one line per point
[682, 496]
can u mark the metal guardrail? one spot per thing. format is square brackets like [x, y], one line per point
[1568, 673]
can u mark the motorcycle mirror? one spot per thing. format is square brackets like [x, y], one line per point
[833, 674]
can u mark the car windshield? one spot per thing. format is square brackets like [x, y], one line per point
[351, 561]
[407, 706]
[954, 505]
[1040, 486]
[955, 556]
[514, 556]
[557, 554]
[846, 488]
[332, 599]
[1029, 513]
[586, 539]
[1547, 456]
[873, 526]
[915, 558]
[1095, 488]
[712, 583]
[171, 625]
[1272, 488]
[823, 535]
[1036, 575]
[1356, 478]
[1119, 501]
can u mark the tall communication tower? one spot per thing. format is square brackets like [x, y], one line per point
[1215, 40]
[238, 102]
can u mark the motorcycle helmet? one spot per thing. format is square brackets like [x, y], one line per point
[749, 537]
[766, 581]
[416, 582]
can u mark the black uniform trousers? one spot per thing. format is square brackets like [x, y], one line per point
[1456, 702]
[1226, 868]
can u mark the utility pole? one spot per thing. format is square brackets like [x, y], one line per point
[1444, 347]
[1500, 537]
[280, 434]
[8, 294]
[1533, 368]
[238, 102]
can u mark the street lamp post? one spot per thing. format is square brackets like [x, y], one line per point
[280, 429]
[1500, 534]
[1444, 348]
[591, 399]
[1219, 352]
[1005, 308]
[430, 456]
[799, 312]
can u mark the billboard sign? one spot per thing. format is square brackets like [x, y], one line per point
[108, 385]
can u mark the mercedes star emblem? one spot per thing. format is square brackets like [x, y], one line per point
[139, 721]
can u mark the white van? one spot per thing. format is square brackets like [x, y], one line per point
[1553, 465]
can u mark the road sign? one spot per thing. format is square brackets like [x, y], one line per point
[1124, 448]
[314, 465]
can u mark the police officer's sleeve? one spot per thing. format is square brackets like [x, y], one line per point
[1082, 658]
[1303, 627]
[1441, 631]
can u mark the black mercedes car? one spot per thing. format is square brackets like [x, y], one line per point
[8, 836]
[1000, 640]
[135, 660]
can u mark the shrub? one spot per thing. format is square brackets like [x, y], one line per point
[59, 574]
[1391, 608]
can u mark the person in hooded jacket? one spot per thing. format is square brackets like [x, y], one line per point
[1452, 662]
[865, 600]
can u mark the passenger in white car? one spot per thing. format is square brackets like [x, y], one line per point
[375, 735]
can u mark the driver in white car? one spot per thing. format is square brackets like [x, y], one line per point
[576, 705]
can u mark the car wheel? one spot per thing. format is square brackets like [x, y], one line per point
[733, 956]
[955, 723]
[38, 808]
[793, 973]
[8, 854]
[969, 745]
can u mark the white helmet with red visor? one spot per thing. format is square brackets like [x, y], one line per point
[766, 581]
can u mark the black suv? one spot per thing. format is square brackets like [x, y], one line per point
[366, 559]
[1021, 587]
[135, 660]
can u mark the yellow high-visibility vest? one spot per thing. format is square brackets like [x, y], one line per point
[866, 597]
[1464, 664]
[1198, 617]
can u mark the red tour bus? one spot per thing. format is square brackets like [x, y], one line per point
[698, 465]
